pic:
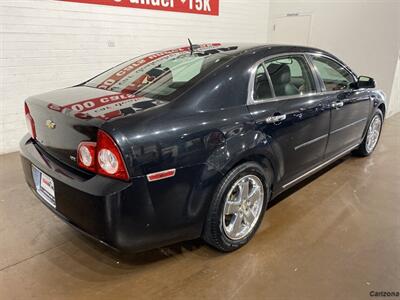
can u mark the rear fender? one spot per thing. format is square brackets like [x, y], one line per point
[244, 147]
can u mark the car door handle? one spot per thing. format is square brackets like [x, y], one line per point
[275, 119]
[337, 104]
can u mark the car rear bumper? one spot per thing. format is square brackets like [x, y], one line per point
[128, 216]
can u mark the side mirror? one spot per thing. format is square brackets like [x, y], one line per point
[363, 82]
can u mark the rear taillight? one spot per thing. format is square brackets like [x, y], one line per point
[109, 158]
[29, 122]
[102, 157]
[87, 156]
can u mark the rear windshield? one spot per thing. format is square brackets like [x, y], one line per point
[161, 75]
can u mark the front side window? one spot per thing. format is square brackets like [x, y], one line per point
[334, 75]
[290, 76]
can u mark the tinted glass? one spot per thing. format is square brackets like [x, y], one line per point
[334, 76]
[290, 76]
[262, 88]
[160, 75]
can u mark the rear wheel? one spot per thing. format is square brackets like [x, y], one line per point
[237, 208]
[372, 137]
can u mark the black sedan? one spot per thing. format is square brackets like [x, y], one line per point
[194, 141]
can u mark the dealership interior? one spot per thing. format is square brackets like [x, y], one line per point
[334, 235]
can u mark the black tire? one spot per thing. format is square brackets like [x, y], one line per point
[362, 149]
[214, 233]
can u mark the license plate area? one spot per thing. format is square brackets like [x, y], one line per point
[44, 185]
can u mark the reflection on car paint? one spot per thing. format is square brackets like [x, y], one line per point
[109, 82]
[107, 108]
[127, 102]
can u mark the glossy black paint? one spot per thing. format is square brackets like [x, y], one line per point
[203, 133]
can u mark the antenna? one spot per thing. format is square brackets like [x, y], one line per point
[191, 46]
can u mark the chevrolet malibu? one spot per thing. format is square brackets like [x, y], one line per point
[194, 141]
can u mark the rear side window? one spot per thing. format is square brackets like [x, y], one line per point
[262, 88]
[290, 76]
[334, 75]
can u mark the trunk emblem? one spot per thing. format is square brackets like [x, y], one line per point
[50, 124]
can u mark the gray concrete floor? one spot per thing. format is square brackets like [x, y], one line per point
[336, 236]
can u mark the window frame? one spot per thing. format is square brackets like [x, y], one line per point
[273, 96]
[264, 61]
[311, 56]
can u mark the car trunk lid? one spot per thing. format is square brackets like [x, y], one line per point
[64, 118]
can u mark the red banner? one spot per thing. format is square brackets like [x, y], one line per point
[204, 7]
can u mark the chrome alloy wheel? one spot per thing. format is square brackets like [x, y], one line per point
[243, 205]
[374, 131]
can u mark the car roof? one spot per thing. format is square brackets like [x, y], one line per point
[234, 73]
[243, 48]
[248, 51]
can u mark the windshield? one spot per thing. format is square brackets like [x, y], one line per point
[161, 75]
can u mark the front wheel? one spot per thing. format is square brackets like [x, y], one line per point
[372, 137]
[237, 208]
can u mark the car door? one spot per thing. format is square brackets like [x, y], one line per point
[349, 107]
[287, 108]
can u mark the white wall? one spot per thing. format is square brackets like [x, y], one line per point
[48, 44]
[363, 33]
[395, 94]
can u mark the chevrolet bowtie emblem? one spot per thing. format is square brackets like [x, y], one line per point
[50, 124]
